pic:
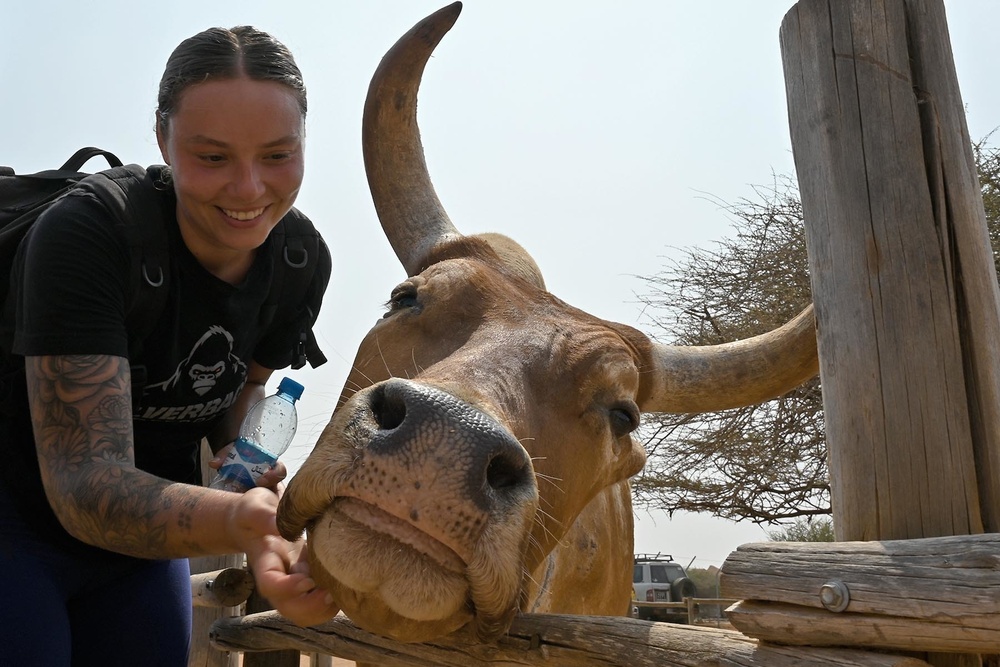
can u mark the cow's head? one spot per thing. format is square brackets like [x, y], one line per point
[482, 413]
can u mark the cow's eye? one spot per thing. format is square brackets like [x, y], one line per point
[624, 419]
[403, 297]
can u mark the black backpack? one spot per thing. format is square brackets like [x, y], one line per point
[128, 191]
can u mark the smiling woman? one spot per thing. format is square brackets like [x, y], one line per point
[231, 124]
[100, 505]
[235, 148]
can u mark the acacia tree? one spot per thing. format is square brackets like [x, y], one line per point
[988, 165]
[805, 530]
[765, 463]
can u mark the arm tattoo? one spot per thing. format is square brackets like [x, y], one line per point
[81, 412]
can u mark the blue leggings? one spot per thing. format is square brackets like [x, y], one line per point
[89, 607]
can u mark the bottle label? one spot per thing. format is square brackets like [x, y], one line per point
[244, 464]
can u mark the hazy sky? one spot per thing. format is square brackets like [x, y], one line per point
[596, 134]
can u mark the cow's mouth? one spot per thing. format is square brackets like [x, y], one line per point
[367, 558]
[380, 521]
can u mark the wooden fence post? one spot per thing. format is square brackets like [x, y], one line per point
[281, 658]
[907, 305]
[202, 653]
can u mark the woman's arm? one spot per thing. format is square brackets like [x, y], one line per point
[82, 420]
[81, 412]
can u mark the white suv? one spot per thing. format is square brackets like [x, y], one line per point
[659, 579]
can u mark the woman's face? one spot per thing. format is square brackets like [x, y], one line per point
[235, 147]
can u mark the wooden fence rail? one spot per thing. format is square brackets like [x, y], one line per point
[690, 605]
[229, 587]
[932, 594]
[939, 594]
[543, 639]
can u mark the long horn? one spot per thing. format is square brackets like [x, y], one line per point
[732, 375]
[411, 214]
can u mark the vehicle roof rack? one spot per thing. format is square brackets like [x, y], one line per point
[657, 556]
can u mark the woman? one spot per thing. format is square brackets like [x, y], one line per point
[98, 504]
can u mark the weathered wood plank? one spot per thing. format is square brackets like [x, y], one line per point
[289, 657]
[544, 639]
[959, 211]
[202, 654]
[927, 578]
[932, 594]
[228, 587]
[793, 656]
[883, 275]
[801, 626]
[907, 306]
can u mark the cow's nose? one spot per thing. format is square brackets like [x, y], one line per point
[431, 432]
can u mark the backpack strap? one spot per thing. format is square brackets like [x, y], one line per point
[80, 158]
[295, 244]
[70, 171]
[131, 194]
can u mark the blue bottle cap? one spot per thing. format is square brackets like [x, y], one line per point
[290, 387]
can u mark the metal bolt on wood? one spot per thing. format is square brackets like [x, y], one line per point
[835, 596]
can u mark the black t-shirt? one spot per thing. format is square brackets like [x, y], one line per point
[70, 287]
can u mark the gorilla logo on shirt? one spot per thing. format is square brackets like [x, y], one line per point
[210, 363]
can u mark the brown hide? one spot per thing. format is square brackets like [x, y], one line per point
[563, 385]
[478, 459]
[590, 569]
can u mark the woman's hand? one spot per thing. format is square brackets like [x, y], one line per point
[269, 480]
[280, 568]
[274, 477]
[281, 573]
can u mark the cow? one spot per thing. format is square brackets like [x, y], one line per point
[477, 462]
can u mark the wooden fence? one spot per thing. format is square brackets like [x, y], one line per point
[850, 603]
[691, 606]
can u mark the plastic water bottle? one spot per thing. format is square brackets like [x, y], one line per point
[265, 434]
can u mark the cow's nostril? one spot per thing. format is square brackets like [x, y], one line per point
[504, 472]
[388, 408]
